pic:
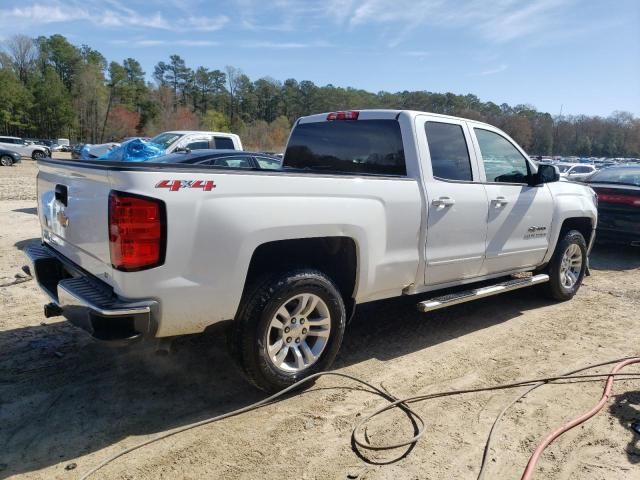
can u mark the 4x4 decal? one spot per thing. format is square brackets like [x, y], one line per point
[175, 185]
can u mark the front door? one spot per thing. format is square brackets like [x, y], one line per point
[520, 215]
[456, 201]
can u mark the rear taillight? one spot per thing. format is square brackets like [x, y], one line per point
[350, 115]
[619, 198]
[137, 231]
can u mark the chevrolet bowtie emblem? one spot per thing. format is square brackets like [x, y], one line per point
[62, 219]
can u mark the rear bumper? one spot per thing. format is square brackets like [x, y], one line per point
[87, 302]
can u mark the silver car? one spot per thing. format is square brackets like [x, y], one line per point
[24, 148]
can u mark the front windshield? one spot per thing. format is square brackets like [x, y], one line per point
[166, 139]
[563, 168]
[627, 176]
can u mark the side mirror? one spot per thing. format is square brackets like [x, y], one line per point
[545, 174]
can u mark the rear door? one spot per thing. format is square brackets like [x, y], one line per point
[520, 215]
[456, 200]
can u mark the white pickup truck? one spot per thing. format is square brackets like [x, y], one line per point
[369, 205]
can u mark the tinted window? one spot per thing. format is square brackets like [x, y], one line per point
[198, 145]
[502, 161]
[224, 143]
[449, 153]
[581, 170]
[234, 162]
[351, 146]
[268, 163]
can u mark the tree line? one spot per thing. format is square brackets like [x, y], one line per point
[50, 88]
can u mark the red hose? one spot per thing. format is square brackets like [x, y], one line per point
[528, 472]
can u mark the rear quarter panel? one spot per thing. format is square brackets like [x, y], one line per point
[213, 234]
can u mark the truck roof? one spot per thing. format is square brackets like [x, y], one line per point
[385, 114]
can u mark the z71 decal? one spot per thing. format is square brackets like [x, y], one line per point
[175, 185]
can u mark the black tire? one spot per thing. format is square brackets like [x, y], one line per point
[248, 336]
[555, 288]
[6, 161]
[38, 155]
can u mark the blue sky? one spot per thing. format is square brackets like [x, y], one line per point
[581, 54]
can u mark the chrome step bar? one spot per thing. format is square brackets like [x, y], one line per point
[475, 294]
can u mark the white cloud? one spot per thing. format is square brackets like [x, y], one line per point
[146, 42]
[286, 45]
[498, 21]
[493, 71]
[416, 53]
[117, 15]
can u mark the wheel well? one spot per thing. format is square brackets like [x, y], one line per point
[582, 224]
[334, 256]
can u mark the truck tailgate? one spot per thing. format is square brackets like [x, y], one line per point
[73, 208]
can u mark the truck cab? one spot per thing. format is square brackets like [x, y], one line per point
[184, 140]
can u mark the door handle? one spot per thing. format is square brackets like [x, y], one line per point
[443, 202]
[61, 194]
[499, 202]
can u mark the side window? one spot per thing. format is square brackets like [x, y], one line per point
[268, 163]
[449, 152]
[224, 143]
[233, 162]
[197, 144]
[502, 161]
[581, 170]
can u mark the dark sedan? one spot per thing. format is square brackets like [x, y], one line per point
[8, 157]
[618, 190]
[223, 158]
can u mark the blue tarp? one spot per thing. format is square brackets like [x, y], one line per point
[136, 150]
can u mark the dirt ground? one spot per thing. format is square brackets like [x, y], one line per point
[65, 399]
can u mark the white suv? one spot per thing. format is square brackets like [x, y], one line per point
[25, 149]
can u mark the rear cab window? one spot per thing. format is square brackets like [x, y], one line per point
[224, 143]
[369, 147]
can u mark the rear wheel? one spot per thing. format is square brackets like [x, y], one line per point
[288, 327]
[6, 161]
[567, 266]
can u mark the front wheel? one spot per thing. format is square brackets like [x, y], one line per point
[38, 155]
[6, 161]
[288, 327]
[567, 266]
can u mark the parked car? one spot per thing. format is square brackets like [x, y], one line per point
[618, 190]
[577, 172]
[8, 157]
[369, 205]
[223, 158]
[19, 145]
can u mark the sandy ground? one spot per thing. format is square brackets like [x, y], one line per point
[65, 399]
